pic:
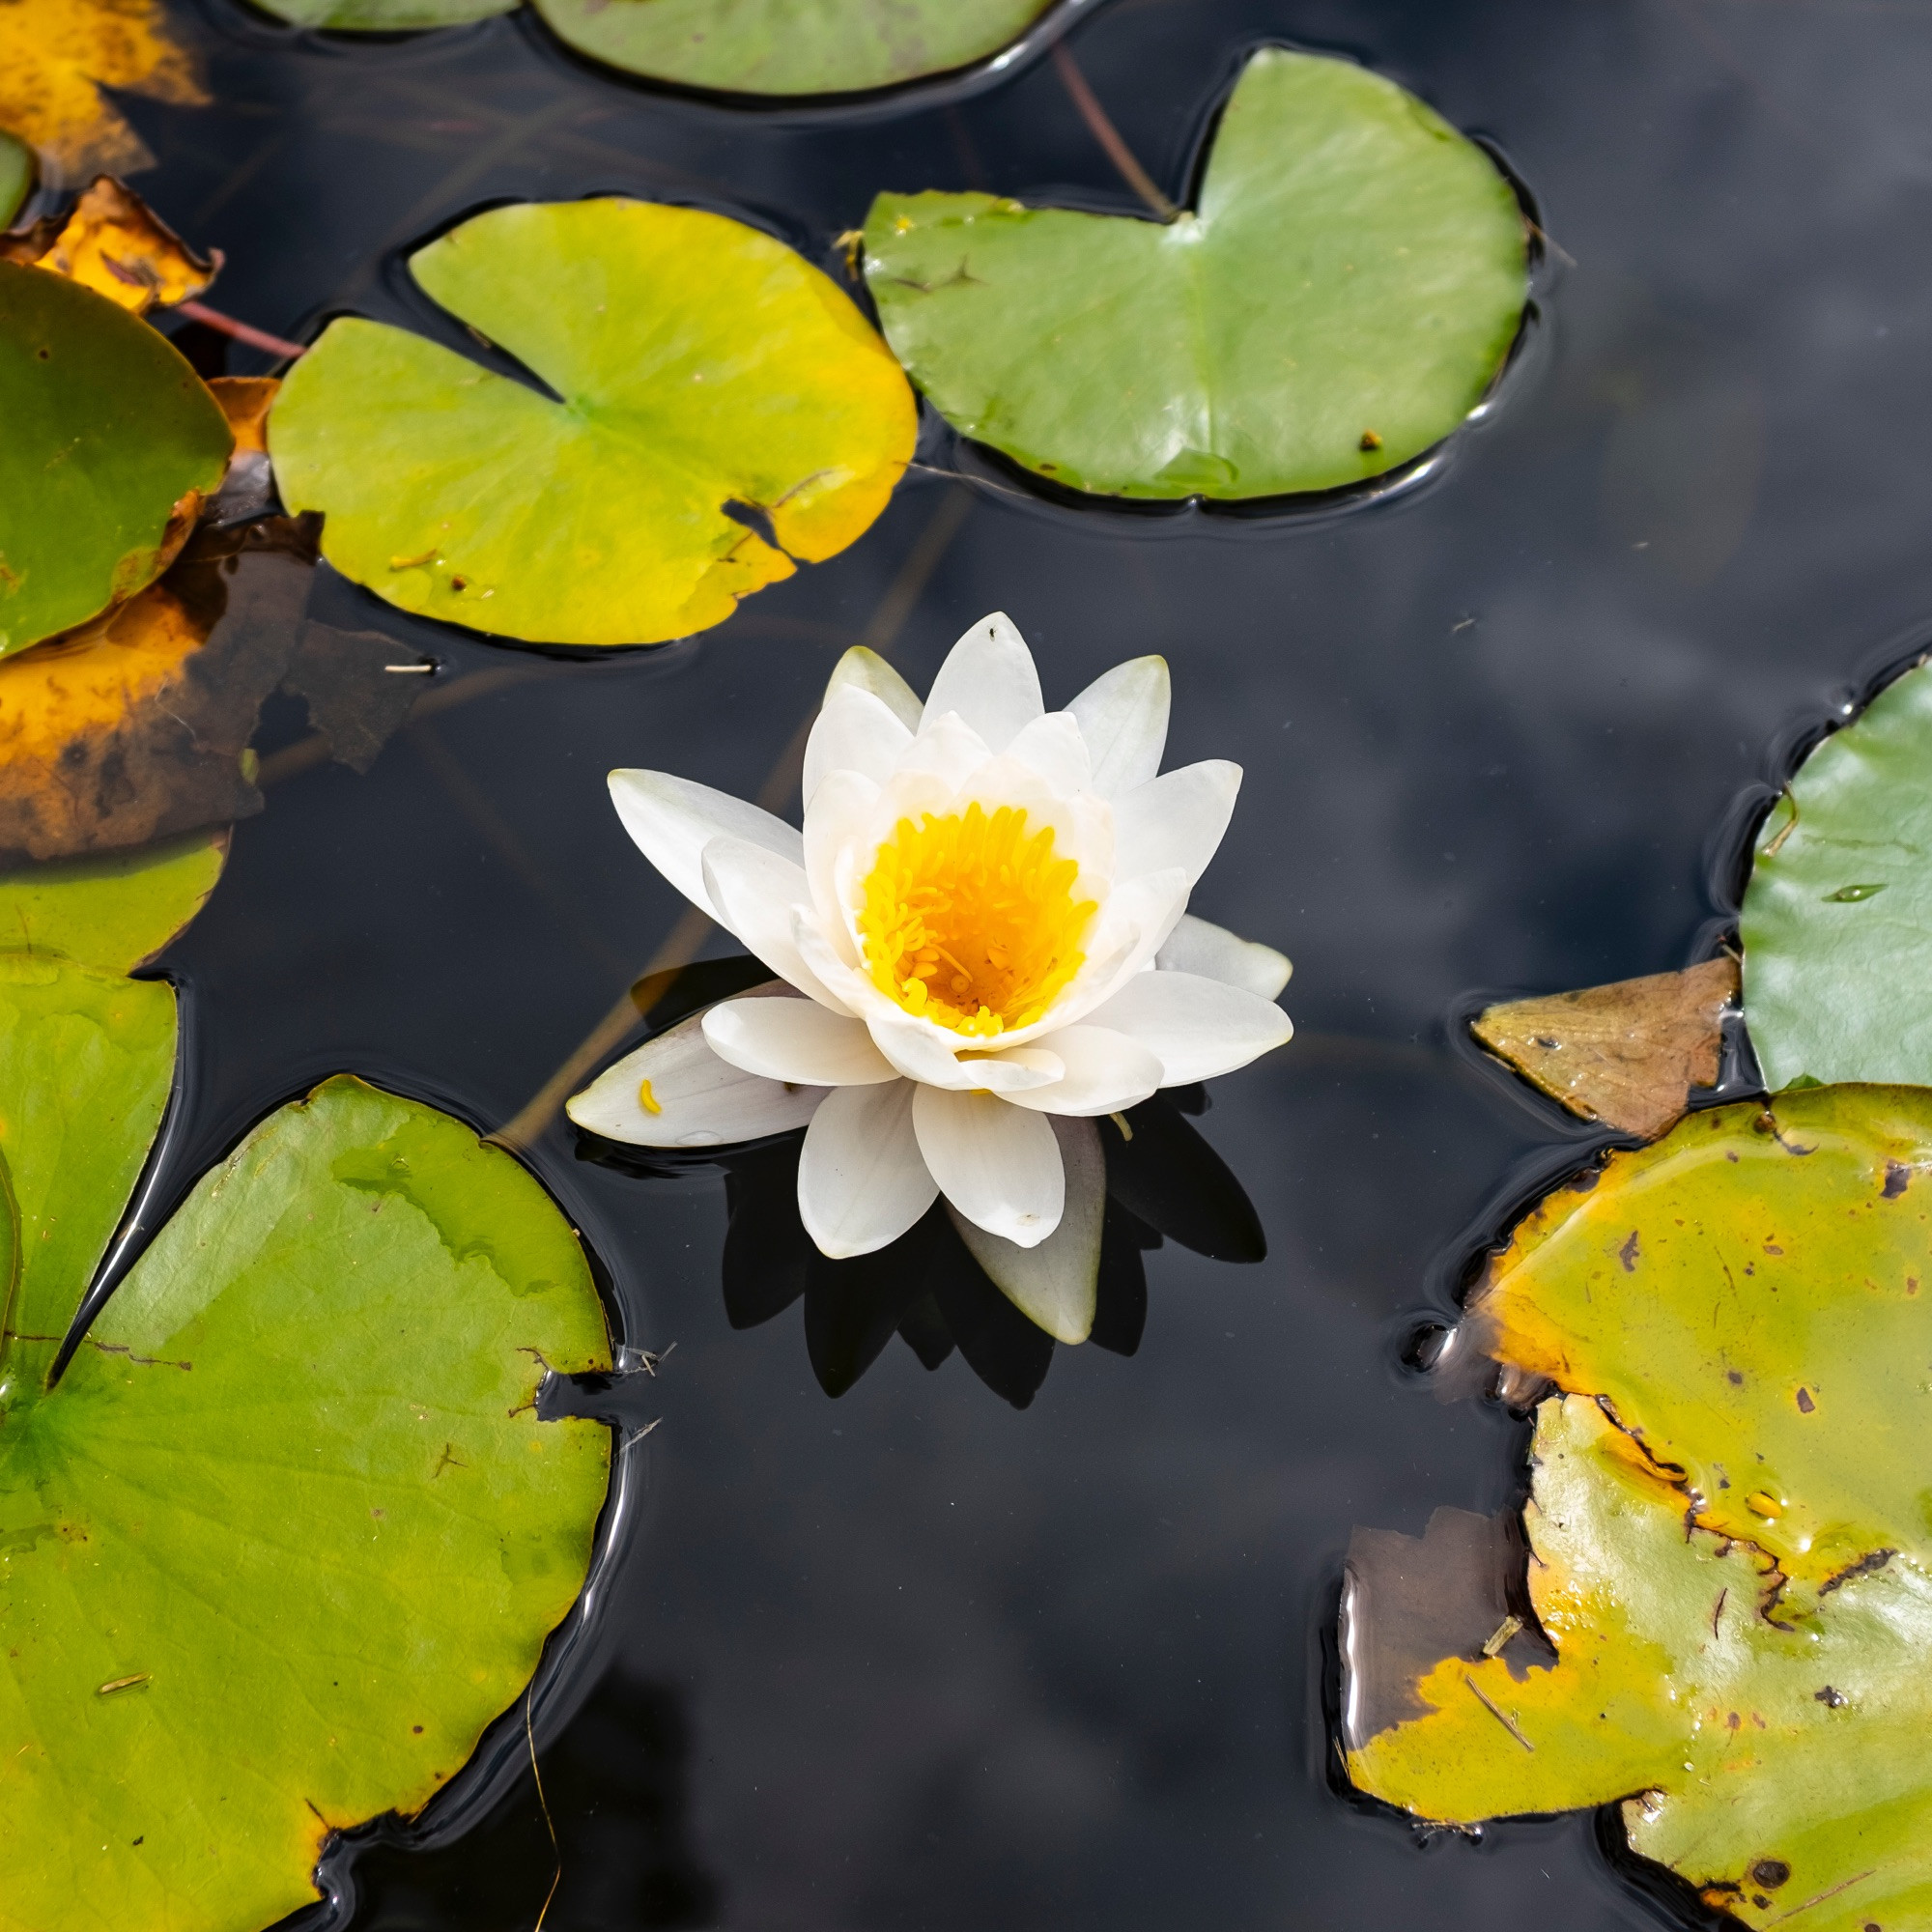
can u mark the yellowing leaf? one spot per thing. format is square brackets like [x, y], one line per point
[1627, 1054]
[1732, 1548]
[245, 401]
[113, 243]
[714, 387]
[55, 58]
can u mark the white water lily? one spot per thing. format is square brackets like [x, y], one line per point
[983, 946]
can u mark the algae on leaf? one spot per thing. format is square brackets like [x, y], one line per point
[790, 46]
[111, 443]
[1837, 917]
[1731, 1548]
[711, 382]
[1343, 296]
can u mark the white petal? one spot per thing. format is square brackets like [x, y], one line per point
[1198, 946]
[998, 1165]
[932, 1055]
[947, 749]
[855, 732]
[988, 678]
[672, 820]
[1133, 925]
[1123, 716]
[699, 1100]
[861, 1181]
[796, 1040]
[757, 895]
[837, 825]
[1198, 1027]
[863, 669]
[1105, 1072]
[1052, 747]
[1176, 819]
[1054, 1285]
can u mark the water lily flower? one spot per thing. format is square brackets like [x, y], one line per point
[983, 947]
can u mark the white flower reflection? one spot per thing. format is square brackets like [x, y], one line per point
[984, 945]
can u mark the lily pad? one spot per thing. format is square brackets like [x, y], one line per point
[57, 56]
[1344, 295]
[111, 443]
[288, 1534]
[384, 16]
[114, 912]
[790, 46]
[1838, 918]
[705, 379]
[1733, 1553]
[16, 176]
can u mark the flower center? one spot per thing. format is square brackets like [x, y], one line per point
[971, 920]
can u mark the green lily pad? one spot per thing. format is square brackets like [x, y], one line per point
[790, 46]
[114, 912]
[699, 364]
[87, 1057]
[16, 176]
[306, 1416]
[1342, 298]
[384, 16]
[111, 443]
[287, 1535]
[1838, 918]
[1729, 1516]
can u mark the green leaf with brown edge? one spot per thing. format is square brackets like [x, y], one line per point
[1837, 917]
[111, 443]
[788, 47]
[1729, 1515]
[288, 1534]
[1343, 296]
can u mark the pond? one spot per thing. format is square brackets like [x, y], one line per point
[916, 1656]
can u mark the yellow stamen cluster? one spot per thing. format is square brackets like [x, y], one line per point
[970, 919]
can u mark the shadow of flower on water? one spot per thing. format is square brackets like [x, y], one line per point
[1164, 1183]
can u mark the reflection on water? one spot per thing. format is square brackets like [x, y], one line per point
[946, 1665]
[616, 1789]
[1163, 1182]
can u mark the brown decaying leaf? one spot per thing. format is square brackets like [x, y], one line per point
[1456, 1590]
[135, 728]
[1626, 1054]
[249, 487]
[354, 699]
[57, 55]
[245, 401]
[113, 243]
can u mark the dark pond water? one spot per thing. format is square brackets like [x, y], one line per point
[914, 1659]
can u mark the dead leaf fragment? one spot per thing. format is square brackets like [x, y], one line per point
[345, 678]
[245, 401]
[248, 490]
[113, 243]
[135, 728]
[1626, 1054]
[55, 58]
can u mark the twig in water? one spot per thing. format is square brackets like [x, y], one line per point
[1107, 134]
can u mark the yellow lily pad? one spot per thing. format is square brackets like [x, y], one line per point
[706, 386]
